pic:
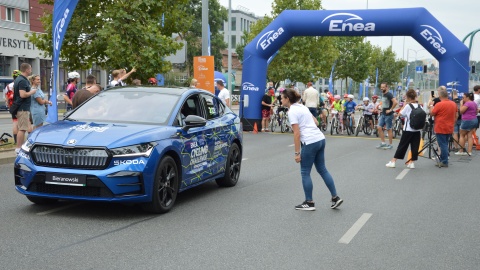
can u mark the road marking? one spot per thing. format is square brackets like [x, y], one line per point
[348, 236]
[402, 174]
[244, 159]
[59, 209]
[291, 145]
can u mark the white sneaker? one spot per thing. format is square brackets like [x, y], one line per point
[390, 164]
[460, 153]
[411, 165]
[17, 150]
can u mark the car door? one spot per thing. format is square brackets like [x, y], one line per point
[221, 131]
[197, 145]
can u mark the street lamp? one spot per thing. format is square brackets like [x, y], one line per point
[416, 51]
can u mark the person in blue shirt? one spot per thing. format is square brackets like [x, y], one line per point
[349, 106]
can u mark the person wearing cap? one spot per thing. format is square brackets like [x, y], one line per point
[8, 92]
[224, 94]
[267, 108]
[152, 81]
[73, 78]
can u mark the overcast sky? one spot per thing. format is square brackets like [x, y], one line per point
[460, 17]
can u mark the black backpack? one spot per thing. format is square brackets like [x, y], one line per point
[417, 117]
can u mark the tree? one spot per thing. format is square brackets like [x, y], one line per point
[217, 16]
[301, 59]
[353, 60]
[389, 69]
[117, 34]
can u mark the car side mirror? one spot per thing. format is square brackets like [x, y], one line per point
[193, 121]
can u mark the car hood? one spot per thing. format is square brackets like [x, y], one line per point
[99, 134]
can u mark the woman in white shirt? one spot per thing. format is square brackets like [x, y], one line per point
[409, 136]
[311, 140]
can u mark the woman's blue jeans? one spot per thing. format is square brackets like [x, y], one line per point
[315, 154]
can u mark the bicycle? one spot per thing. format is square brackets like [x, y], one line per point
[322, 125]
[349, 124]
[397, 126]
[274, 121]
[285, 123]
[363, 125]
[335, 124]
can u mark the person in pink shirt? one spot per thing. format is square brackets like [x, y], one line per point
[469, 122]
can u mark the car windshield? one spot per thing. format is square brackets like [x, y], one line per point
[126, 107]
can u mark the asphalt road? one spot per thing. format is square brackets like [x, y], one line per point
[425, 218]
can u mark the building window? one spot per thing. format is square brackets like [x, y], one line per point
[24, 16]
[241, 24]
[5, 67]
[234, 42]
[234, 24]
[10, 14]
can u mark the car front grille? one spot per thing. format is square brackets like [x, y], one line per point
[61, 157]
[94, 188]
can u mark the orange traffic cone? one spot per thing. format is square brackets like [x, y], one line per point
[255, 129]
[475, 141]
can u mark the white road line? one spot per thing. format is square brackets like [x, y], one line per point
[348, 236]
[402, 174]
[244, 159]
[291, 145]
[59, 209]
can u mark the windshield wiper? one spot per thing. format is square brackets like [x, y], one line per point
[70, 119]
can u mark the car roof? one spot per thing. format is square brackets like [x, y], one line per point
[156, 89]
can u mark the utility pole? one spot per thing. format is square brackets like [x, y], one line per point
[204, 27]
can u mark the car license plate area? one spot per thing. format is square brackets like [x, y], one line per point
[66, 179]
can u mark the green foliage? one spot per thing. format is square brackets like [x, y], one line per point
[389, 68]
[353, 60]
[301, 59]
[193, 35]
[118, 33]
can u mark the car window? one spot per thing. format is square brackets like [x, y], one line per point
[213, 105]
[128, 107]
[191, 106]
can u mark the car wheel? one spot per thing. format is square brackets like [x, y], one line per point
[165, 187]
[39, 200]
[232, 168]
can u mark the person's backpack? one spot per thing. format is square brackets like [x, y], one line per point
[417, 117]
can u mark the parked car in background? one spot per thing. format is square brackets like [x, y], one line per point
[133, 145]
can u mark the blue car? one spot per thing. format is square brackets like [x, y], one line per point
[132, 145]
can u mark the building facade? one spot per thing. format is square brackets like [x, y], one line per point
[241, 20]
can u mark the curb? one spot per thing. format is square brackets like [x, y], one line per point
[7, 156]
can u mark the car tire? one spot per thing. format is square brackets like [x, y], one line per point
[165, 187]
[41, 201]
[232, 168]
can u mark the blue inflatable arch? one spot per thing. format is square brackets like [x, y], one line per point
[418, 23]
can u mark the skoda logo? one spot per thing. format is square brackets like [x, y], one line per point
[72, 142]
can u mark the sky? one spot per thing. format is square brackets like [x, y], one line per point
[460, 17]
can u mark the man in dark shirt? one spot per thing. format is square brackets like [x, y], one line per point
[266, 109]
[386, 117]
[21, 96]
[84, 94]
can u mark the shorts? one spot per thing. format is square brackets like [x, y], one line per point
[385, 120]
[23, 120]
[265, 114]
[368, 117]
[456, 127]
[469, 124]
[478, 121]
[313, 111]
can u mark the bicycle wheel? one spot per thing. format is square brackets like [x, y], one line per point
[367, 128]
[347, 125]
[332, 125]
[273, 123]
[359, 126]
[325, 124]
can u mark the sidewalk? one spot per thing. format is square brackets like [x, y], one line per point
[7, 156]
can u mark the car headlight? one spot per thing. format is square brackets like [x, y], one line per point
[144, 149]
[27, 146]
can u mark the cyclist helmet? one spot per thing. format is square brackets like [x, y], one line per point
[345, 96]
[366, 99]
[374, 96]
[16, 73]
[337, 97]
[281, 89]
[152, 81]
[351, 96]
[73, 75]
